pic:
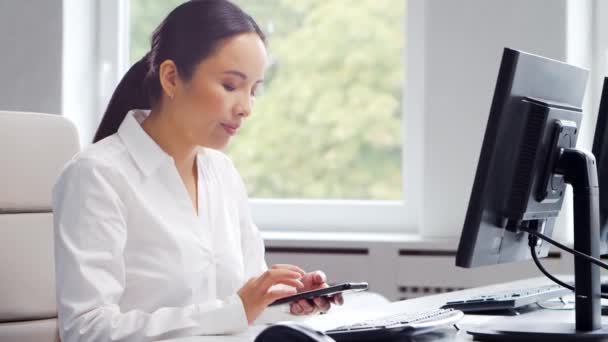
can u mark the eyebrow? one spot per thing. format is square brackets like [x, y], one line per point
[240, 74]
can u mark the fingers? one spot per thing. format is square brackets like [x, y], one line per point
[296, 309]
[279, 276]
[319, 277]
[290, 275]
[289, 267]
[307, 306]
[314, 280]
[322, 304]
[337, 299]
[273, 295]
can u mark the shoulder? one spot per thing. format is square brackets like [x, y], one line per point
[96, 162]
[104, 152]
[91, 184]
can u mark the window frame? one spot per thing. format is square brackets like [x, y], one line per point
[310, 214]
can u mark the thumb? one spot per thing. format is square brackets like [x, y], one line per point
[273, 295]
[319, 277]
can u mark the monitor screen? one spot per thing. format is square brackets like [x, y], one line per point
[600, 151]
[536, 109]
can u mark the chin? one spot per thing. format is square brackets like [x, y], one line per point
[217, 145]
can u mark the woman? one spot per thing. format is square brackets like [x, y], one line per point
[153, 235]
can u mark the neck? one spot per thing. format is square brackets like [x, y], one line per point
[162, 131]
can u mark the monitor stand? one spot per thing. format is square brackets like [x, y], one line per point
[579, 170]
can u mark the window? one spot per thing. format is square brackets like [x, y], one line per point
[324, 145]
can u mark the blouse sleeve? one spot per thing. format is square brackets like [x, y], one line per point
[90, 236]
[251, 239]
[253, 253]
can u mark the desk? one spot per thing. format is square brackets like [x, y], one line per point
[360, 306]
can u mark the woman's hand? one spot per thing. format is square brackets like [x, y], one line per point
[256, 294]
[312, 281]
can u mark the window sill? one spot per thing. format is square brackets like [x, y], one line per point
[356, 240]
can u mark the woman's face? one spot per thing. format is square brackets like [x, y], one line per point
[212, 105]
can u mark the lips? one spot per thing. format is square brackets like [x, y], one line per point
[230, 128]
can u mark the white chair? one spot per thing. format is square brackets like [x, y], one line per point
[33, 151]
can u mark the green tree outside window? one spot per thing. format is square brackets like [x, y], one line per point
[328, 123]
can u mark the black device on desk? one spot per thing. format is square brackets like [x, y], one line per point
[515, 299]
[507, 301]
[600, 151]
[291, 332]
[528, 156]
[324, 292]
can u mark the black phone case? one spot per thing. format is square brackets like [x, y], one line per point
[328, 291]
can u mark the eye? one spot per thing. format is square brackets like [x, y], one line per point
[228, 87]
[257, 91]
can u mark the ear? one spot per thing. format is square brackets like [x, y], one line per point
[169, 77]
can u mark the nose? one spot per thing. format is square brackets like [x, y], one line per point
[243, 107]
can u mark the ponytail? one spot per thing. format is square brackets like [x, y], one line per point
[130, 94]
[189, 34]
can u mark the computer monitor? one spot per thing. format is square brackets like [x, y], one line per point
[527, 157]
[532, 93]
[600, 151]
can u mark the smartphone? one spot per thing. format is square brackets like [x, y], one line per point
[325, 292]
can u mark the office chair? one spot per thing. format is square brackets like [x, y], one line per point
[33, 150]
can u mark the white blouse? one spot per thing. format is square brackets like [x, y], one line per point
[133, 260]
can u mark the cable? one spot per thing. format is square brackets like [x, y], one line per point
[565, 305]
[567, 249]
[545, 272]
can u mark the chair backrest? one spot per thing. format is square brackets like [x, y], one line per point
[33, 150]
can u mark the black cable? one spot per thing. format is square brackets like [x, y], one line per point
[567, 249]
[550, 276]
[545, 272]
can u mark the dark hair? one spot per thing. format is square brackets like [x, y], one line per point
[189, 34]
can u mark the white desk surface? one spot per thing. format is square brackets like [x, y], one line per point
[360, 306]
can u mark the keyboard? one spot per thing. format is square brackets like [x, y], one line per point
[507, 300]
[402, 324]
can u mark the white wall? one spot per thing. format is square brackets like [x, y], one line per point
[30, 55]
[79, 79]
[48, 59]
[93, 50]
[464, 41]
